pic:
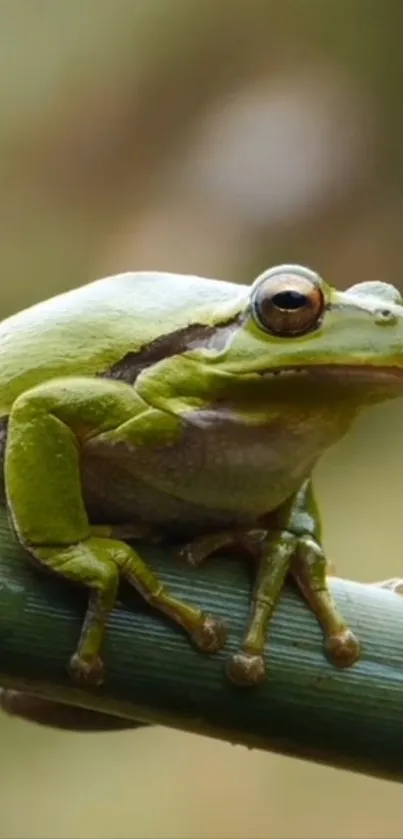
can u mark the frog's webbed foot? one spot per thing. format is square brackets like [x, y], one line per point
[246, 669]
[87, 670]
[210, 635]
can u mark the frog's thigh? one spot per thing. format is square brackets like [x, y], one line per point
[42, 468]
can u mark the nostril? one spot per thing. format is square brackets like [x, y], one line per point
[385, 317]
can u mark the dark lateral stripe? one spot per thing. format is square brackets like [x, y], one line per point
[3, 441]
[175, 343]
[3, 434]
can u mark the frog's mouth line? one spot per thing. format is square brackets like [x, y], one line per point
[344, 373]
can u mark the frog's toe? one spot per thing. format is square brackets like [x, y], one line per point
[211, 635]
[343, 648]
[196, 552]
[87, 671]
[246, 669]
[395, 585]
[193, 554]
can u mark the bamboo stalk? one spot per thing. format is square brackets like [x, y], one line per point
[307, 708]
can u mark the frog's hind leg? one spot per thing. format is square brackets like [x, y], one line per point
[44, 498]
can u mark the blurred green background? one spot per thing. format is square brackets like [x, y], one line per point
[215, 138]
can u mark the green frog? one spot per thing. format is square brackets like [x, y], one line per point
[155, 406]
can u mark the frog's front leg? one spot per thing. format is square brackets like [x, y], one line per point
[47, 428]
[272, 553]
[294, 547]
[289, 542]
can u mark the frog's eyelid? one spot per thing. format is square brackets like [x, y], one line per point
[290, 269]
[355, 307]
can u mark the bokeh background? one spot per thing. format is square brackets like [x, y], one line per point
[211, 137]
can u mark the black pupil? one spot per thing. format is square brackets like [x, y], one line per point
[290, 300]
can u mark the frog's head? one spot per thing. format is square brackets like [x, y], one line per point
[295, 326]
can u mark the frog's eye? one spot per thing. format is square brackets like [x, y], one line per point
[288, 300]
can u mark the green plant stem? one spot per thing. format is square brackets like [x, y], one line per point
[307, 708]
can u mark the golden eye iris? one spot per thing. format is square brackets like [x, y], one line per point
[288, 300]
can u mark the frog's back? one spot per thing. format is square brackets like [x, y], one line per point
[87, 330]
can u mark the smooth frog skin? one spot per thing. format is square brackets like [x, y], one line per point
[156, 406]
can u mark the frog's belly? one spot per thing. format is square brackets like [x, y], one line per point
[232, 474]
